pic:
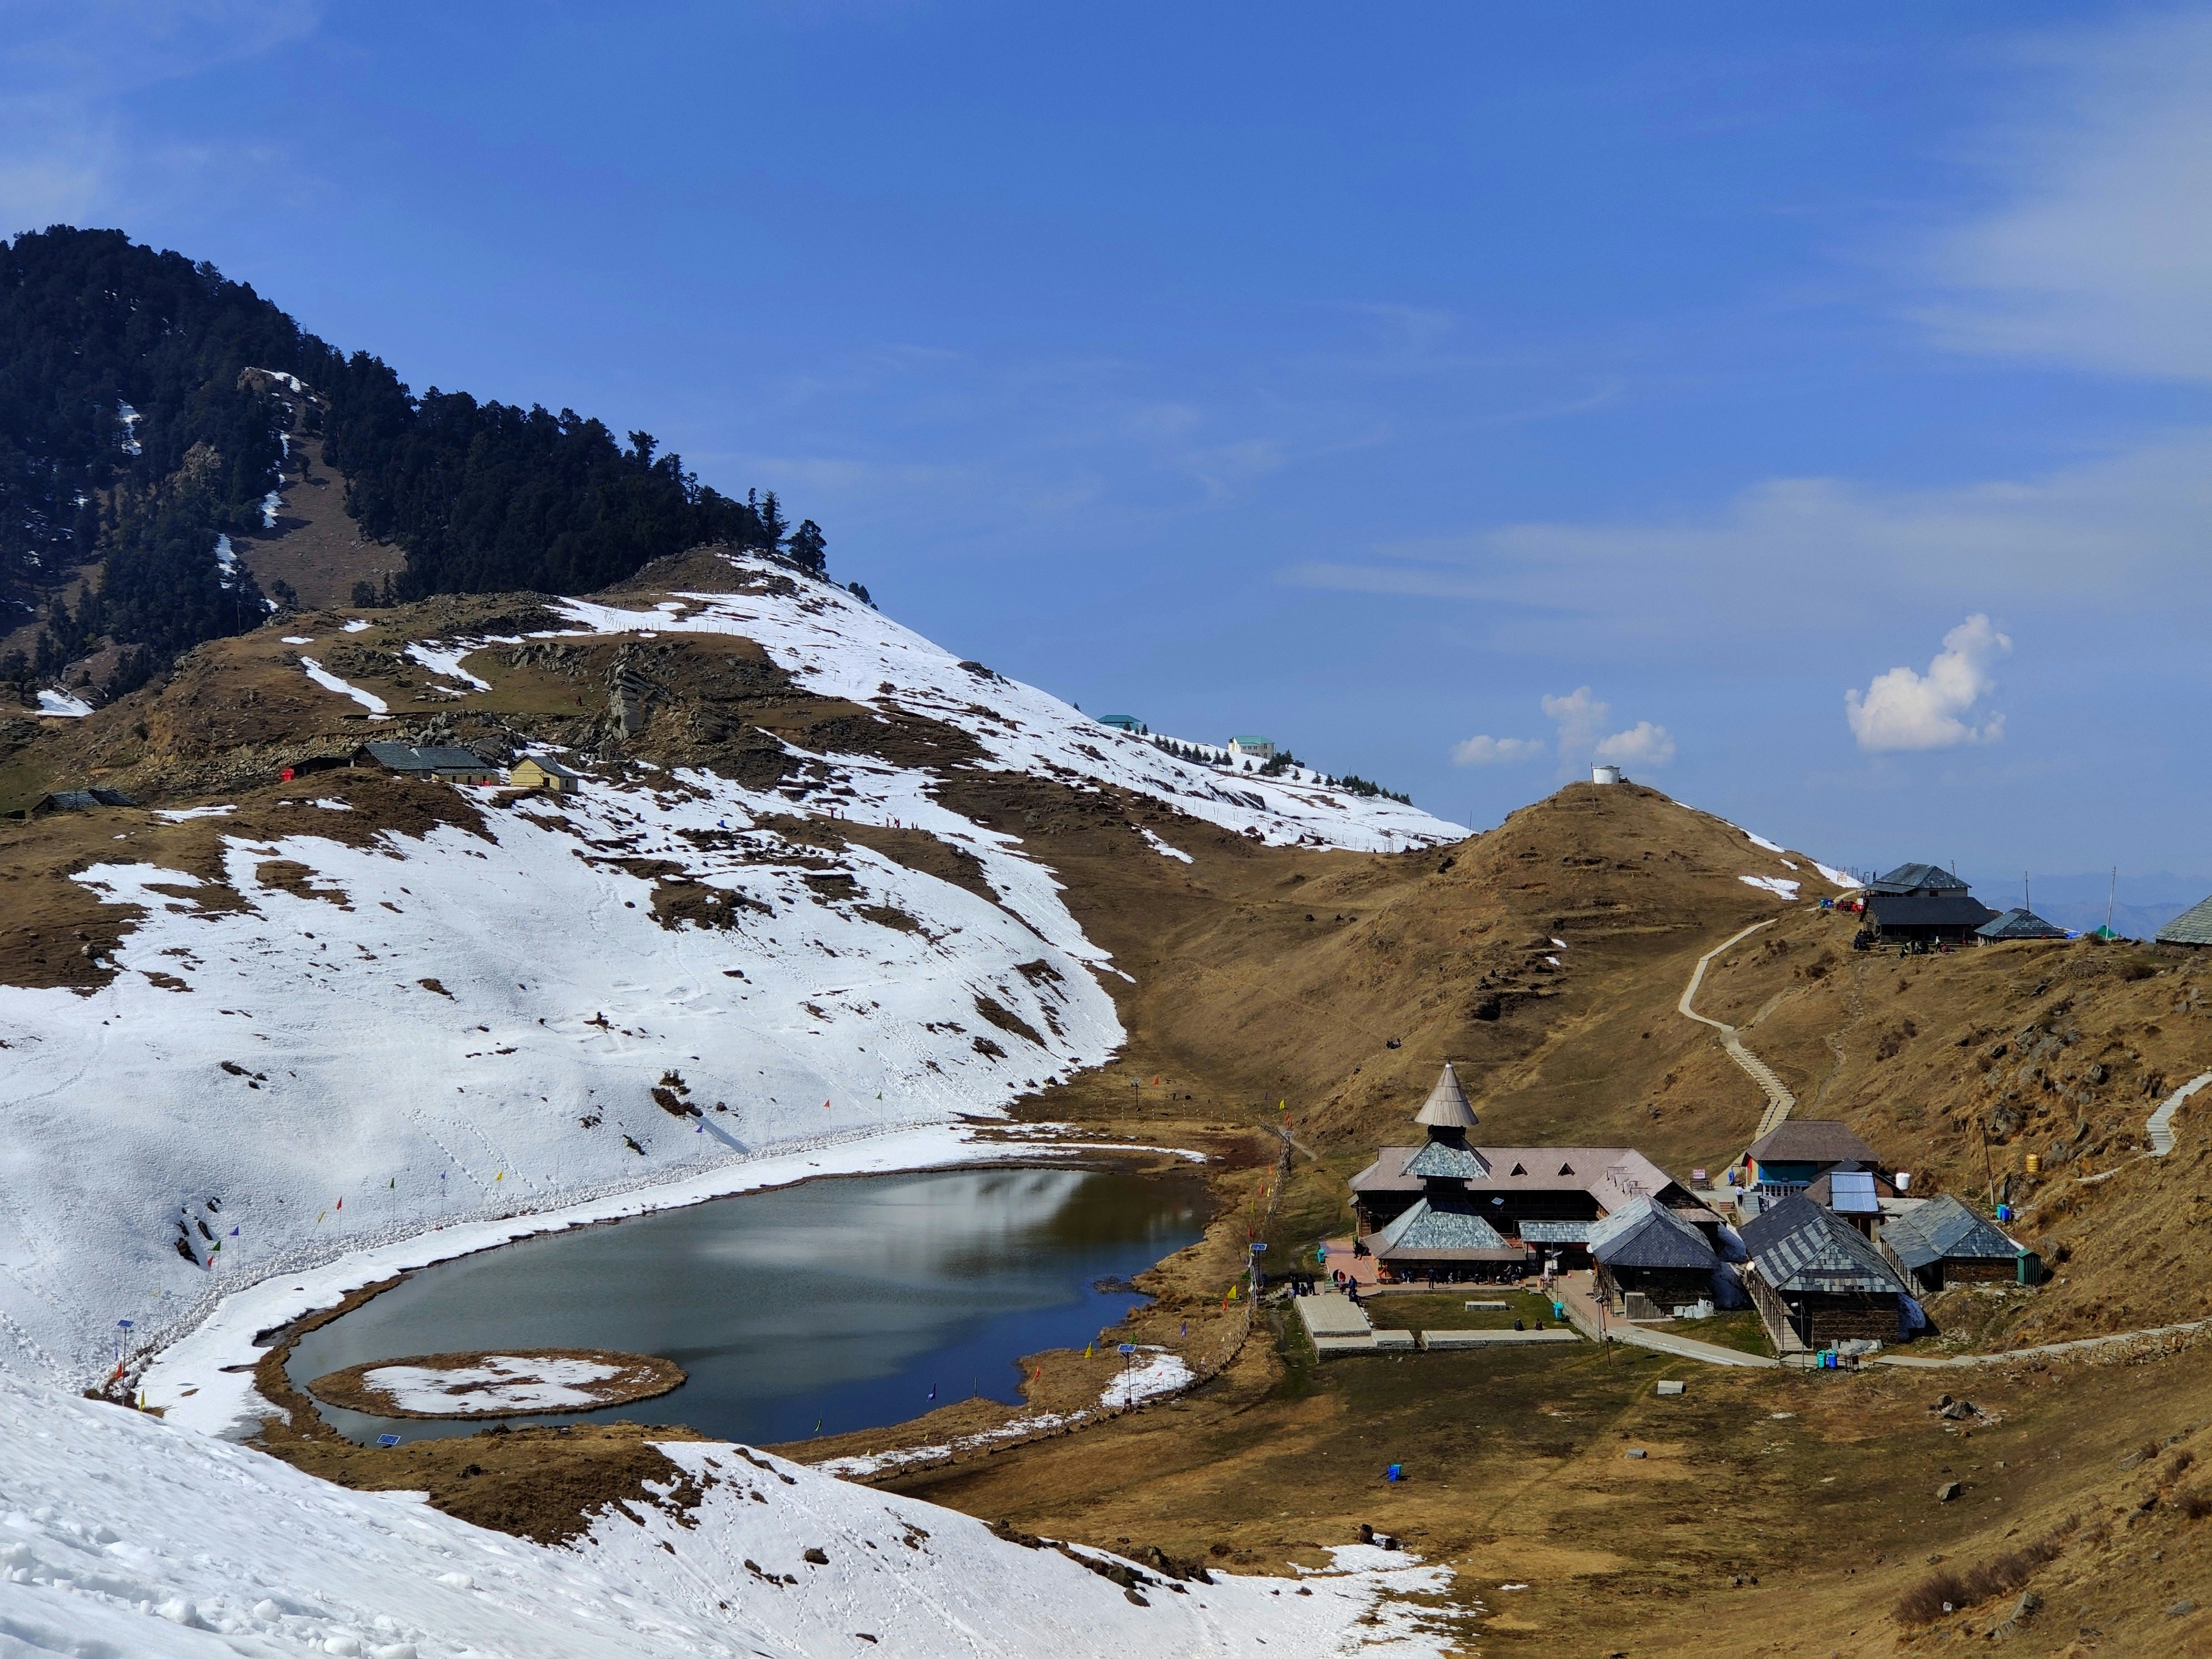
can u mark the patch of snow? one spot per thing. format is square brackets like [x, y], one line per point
[333, 805]
[447, 660]
[1153, 1371]
[1561, 943]
[126, 1534]
[1835, 878]
[280, 375]
[225, 561]
[1761, 841]
[330, 682]
[184, 814]
[498, 1384]
[1555, 962]
[269, 504]
[129, 417]
[298, 639]
[358, 625]
[1780, 886]
[1161, 847]
[61, 702]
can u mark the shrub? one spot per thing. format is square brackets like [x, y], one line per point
[1952, 1592]
[2195, 1503]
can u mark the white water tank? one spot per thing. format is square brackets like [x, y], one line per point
[1605, 774]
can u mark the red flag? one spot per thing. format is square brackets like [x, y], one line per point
[341, 1204]
[825, 1105]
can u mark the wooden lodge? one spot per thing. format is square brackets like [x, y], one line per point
[1815, 1281]
[1650, 1248]
[1920, 905]
[1942, 1242]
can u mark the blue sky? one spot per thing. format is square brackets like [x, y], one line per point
[1447, 391]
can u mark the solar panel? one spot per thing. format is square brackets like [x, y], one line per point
[1850, 1192]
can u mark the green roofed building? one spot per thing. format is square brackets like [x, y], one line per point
[2192, 926]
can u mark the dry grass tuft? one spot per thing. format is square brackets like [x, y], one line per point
[1952, 1592]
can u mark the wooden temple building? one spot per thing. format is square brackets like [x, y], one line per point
[1447, 1206]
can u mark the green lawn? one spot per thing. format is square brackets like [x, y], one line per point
[1739, 1328]
[1447, 1310]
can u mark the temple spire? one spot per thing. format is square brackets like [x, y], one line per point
[1446, 1106]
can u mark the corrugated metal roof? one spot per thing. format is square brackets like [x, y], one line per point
[2192, 926]
[1797, 1246]
[407, 758]
[1944, 1228]
[1926, 910]
[1648, 1235]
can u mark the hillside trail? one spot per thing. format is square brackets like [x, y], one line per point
[1780, 1102]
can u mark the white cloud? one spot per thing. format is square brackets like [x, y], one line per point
[2100, 255]
[1578, 716]
[1495, 751]
[1905, 710]
[1642, 744]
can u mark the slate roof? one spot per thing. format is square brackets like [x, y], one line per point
[1926, 910]
[2017, 923]
[1556, 1232]
[1647, 1234]
[1446, 1108]
[2192, 926]
[1943, 1229]
[1446, 1231]
[1799, 1248]
[407, 758]
[1812, 1140]
[1615, 1177]
[78, 801]
[1917, 879]
[1441, 1160]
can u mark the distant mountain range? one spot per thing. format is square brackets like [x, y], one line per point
[2140, 905]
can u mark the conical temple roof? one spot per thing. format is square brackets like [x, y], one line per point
[1446, 1106]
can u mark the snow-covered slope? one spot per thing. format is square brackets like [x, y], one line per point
[841, 647]
[328, 1037]
[120, 1535]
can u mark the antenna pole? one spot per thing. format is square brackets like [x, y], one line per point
[2110, 894]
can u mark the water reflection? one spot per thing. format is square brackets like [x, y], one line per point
[842, 1303]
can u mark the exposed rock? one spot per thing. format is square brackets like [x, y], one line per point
[1947, 1491]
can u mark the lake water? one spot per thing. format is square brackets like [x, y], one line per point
[844, 1303]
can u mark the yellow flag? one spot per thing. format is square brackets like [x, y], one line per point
[502, 1176]
[1086, 1349]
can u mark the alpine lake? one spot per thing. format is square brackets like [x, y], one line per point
[837, 1304]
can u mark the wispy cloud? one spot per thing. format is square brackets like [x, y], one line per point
[1495, 751]
[2099, 253]
[67, 151]
[1903, 710]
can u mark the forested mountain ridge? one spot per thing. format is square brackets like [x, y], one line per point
[134, 434]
